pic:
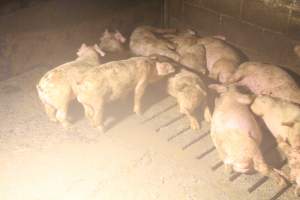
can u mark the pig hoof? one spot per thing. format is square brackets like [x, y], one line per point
[100, 129]
[228, 169]
[195, 126]
[137, 111]
[66, 125]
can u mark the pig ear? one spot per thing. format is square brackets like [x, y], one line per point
[219, 88]
[164, 68]
[120, 37]
[97, 48]
[82, 48]
[245, 99]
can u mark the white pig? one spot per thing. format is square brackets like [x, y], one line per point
[192, 54]
[57, 87]
[236, 134]
[144, 42]
[281, 117]
[112, 41]
[189, 91]
[221, 59]
[267, 79]
[283, 120]
[114, 80]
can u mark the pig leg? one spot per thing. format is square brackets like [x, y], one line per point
[193, 121]
[51, 112]
[261, 166]
[97, 118]
[138, 94]
[228, 169]
[88, 111]
[297, 191]
[61, 115]
[283, 145]
[207, 114]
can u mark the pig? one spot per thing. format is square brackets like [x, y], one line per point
[221, 59]
[281, 117]
[192, 55]
[189, 91]
[114, 80]
[236, 134]
[283, 120]
[144, 42]
[112, 42]
[57, 87]
[266, 79]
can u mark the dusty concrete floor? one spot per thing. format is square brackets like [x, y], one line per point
[40, 160]
[132, 160]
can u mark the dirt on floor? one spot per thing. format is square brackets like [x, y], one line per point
[154, 156]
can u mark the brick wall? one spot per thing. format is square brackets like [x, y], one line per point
[266, 30]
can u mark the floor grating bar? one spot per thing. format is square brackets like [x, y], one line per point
[195, 141]
[283, 190]
[179, 133]
[262, 180]
[258, 184]
[206, 153]
[159, 113]
[234, 176]
[170, 122]
[217, 166]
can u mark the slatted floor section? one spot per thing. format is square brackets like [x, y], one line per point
[174, 127]
[163, 116]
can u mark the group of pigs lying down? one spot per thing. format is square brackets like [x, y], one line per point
[184, 58]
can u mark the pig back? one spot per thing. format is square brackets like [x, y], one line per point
[117, 78]
[217, 49]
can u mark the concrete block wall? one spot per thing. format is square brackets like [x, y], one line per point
[266, 30]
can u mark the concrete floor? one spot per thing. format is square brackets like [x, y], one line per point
[155, 156]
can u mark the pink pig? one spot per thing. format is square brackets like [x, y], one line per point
[236, 134]
[267, 79]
